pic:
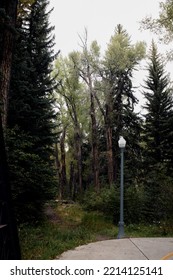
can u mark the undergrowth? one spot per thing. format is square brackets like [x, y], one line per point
[69, 226]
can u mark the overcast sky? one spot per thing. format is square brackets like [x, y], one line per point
[100, 17]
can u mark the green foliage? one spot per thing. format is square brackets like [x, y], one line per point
[73, 227]
[48, 241]
[134, 204]
[133, 153]
[154, 229]
[121, 58]
[157, 146]
[121, 54]
[31, 117]
[149, 140]
[144, 203]
[158, 189]
[106, 201]
[162, 25]
[96, 222]
[32, 179]
[159, 113]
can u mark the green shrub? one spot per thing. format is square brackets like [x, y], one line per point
[134, 204]
[94, 221]
[106, 202]
[158, 189]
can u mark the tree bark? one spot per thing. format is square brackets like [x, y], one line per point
[58, 170]
[94, 137]
[86, 74]
[109, 140]
[77, 139]
[63, 163]
[78, 149]
[9, 242]
[72, 182]
[110, 155]
[7, 40]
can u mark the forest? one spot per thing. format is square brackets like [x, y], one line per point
[61, 119]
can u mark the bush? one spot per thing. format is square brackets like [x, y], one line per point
[95, 222]
[158, 196]
[106, 202]
[134, 204]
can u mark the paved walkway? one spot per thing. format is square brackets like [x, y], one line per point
[123, 249]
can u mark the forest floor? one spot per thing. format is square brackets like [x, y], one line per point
[65, 227]
[72, 215]
[68, 225]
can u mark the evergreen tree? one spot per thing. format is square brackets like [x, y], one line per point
[31, 115]
[121, 58]
[157, 134]
[159, 107]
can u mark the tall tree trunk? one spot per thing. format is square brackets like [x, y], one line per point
[78, 156]
[7, 41]
[9, 242]
[77, 140]
[110, 154]
[86, 75]
[58, 170]
[63, 163]
[72, 181]
[94, 137]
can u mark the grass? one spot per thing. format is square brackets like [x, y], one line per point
[47, 241]
[68, 226]
[150, 230]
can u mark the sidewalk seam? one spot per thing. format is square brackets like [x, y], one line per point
[139, 249]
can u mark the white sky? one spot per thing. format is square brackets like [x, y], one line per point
[100, 17]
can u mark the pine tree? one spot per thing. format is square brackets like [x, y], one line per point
[31, 114]
[157, 135]
[121, 58]
[159, 107]
[41, 55]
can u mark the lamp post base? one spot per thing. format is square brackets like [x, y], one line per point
[121, 230]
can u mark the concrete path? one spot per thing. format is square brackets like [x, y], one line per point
[122, 249]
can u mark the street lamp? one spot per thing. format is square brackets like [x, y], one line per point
[121, 144]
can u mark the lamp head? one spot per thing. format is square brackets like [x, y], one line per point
[121, 142]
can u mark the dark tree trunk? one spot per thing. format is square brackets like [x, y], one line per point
[108, 125]
[94, 141]
[9, 242]
[78, 156]
[72, 181]
[87, 77]
[58, 170]
[7, 25]
[110, 154]
[63, 163]
[77, 140]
